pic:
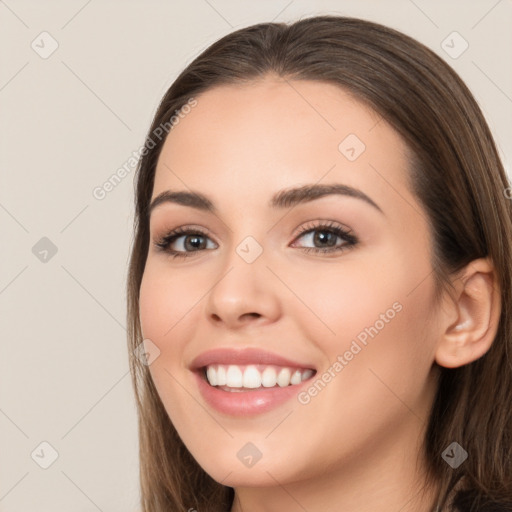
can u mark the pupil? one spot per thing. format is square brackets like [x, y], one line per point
[194, 240]
[321, 237]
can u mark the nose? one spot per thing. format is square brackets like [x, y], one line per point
[244, 294]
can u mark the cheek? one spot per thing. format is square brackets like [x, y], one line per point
[373, 316]
[166, 305]
[165, 300]
[336, 303]
[379, 358]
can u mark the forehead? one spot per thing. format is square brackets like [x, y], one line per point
[248, 138]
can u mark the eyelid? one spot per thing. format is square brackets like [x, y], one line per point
[169, 236]
[183, 229]
[322, 223]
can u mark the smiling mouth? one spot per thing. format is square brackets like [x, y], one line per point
[251, 377]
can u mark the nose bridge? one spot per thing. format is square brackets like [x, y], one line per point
[247, 240]
[244, 270]
[243, 289]
[249, 250]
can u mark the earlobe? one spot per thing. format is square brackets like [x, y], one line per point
[477, 309]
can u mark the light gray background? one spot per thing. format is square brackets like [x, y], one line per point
[67, 123]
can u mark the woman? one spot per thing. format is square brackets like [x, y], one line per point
[320, 281]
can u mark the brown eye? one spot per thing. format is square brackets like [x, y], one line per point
[327, 238]
[183, 241]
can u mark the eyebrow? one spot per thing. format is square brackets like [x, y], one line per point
[282, 199]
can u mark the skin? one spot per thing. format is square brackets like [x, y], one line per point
[356, 446]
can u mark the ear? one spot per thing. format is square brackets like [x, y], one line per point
[476, 308]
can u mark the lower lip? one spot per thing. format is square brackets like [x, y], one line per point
[246, 403]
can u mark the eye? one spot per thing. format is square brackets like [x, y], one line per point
[325, 235]
[328, 236]
[183, 241]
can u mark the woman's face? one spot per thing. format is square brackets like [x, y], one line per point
[337, 283]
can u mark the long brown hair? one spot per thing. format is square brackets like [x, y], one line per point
[458, 178]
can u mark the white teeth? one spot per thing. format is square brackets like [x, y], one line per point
[255, 376]
[211, 374]
[252, 377]
[234, 378]
[307, 374]
[269, 377]
[221, 376]
[283, 379]
[296, 377]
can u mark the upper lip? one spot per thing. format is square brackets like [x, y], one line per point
[242, 357]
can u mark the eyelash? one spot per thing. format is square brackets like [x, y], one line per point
[330, 227]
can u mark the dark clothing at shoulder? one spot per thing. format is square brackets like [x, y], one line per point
[470, 501]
